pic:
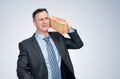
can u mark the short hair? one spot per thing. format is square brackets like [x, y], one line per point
[38, 11]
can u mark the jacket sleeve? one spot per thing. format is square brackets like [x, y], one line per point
[23, 67]
[74, 42]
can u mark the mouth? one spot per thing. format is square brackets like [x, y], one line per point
[45, 26]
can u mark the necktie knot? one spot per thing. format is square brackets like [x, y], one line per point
[46, 39]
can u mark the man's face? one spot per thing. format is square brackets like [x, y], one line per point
[41, 21]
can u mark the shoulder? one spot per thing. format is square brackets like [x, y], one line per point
[55, 34]
[27, 40]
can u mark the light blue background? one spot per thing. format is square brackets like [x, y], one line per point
[97, 22]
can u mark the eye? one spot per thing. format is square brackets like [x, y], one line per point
[46, 18]
[41, 19]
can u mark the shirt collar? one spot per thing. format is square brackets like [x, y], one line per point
[40, 36]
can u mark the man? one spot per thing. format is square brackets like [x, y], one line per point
[34, 60]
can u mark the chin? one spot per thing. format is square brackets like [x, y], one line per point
[46, 30]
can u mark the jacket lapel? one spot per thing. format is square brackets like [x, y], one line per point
[64, 55]
[37, 49]
[56, 41]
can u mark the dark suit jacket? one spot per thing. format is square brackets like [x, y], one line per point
[31, 63]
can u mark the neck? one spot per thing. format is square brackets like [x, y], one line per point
[43, 33]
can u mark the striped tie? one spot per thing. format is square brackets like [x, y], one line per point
[55, 70]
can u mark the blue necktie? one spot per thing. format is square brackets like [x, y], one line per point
[55, 70]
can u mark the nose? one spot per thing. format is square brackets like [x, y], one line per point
[44, 21]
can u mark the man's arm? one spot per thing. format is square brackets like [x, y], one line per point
[74, 42]
[23, 68]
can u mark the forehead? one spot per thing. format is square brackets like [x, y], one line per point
[42, 14]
